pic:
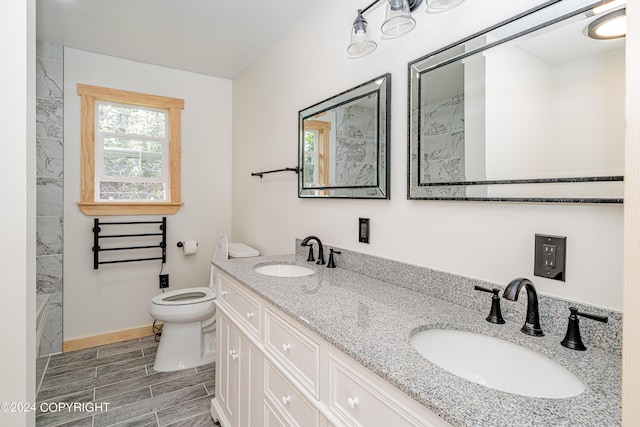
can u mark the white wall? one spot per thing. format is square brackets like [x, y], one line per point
[492, 241]
[17, 228]
[584, 121]
[517, 145]
[116, 297]
[604, 120]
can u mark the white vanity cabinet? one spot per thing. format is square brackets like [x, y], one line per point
[272, 371]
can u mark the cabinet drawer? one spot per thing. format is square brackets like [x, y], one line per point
[287, 399]
[271, 418]
[359, 403]
[244, 308]
[296, 351]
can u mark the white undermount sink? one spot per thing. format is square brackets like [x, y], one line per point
[496, 363]
[284, 270]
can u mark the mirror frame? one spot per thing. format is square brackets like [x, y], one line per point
[420, 66]
[381, 86]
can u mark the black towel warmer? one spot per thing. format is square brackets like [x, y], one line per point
[97, 249]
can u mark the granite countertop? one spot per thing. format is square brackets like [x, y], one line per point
[371, 321]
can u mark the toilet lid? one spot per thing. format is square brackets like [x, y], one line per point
[185, 296]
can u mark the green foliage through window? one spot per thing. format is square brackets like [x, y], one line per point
[310, 154]
[131, 158]
[120, 119]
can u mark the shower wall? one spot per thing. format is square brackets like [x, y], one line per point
[49, 176]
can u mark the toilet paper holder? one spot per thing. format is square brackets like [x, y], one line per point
[189, 247]
[181, 244]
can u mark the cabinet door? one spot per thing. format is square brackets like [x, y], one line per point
[227, 372]
[250, 382]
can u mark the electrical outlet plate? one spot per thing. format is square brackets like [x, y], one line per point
[550, 257]
[164, 281]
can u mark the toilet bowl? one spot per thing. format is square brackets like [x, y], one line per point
[188, 317]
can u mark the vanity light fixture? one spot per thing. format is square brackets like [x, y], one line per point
[436, 6]
[397, 22]
[361, 44]
[613, 25]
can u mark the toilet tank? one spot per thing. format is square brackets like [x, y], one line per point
[240, 250]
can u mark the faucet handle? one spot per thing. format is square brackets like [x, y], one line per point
[603, 319]
[310, 257]
[331, 263]
[572, 338]
[483, 289]
[495, 315]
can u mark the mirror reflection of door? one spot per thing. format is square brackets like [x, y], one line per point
[316, 152]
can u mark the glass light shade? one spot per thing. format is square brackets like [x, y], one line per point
[436, 6]
[613, 25]
[398, 20]
[360, 44]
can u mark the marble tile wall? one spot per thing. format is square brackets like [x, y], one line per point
[49, 144]
[356, 146]
[442, 153]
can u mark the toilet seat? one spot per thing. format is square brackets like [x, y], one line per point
[185, 296]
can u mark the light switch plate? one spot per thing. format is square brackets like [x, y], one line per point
[363, 230]
[550, 257]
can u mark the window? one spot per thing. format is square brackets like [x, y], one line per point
[316, 152]
[310, 156]
[130, 152]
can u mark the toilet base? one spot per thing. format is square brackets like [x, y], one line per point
[184, 346]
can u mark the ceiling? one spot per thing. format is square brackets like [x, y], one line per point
[213, 37]
[568, 42]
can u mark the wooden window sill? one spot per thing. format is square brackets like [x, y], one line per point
[129, 208]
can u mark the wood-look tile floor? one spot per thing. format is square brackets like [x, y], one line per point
[122, 375]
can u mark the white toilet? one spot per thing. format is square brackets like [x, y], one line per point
[188, 317]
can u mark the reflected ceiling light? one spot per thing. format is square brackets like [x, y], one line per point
[361, 44]
[608, 6]
[397, 22]
[613, 25]
[436, 6]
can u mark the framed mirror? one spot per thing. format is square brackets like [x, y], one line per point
[530, 110]
[343, 149]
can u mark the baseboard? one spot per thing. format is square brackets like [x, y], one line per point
[109, 338]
